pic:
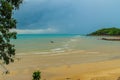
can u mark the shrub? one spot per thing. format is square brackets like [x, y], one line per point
[36, 75]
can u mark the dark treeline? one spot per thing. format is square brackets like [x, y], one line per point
[106, 32]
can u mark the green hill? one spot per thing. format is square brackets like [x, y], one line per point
[106, 32]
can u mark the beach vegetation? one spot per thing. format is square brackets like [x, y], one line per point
[106, 32]
[7, 22]
[36, 75]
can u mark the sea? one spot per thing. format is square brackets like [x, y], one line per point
[43, 44]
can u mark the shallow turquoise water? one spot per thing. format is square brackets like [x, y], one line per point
[41, 43]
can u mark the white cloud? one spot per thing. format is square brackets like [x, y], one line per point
[35, 31]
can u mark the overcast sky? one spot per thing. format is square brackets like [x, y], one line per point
[67, 16]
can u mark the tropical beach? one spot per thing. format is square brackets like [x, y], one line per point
[59, 40]
[81, 58]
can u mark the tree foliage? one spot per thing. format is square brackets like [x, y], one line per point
[7, 22]
[107, 31]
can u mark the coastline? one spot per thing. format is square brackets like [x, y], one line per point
[111, 38]
[72, 66]
[74, 58]
[107, 37]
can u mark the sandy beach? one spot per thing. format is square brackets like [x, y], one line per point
[62, 39]
[73, 66]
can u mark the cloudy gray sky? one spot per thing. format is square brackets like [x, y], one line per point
[67, 16]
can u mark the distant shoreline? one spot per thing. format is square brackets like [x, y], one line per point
[109, 34]
[108, 38]
[111, 39]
